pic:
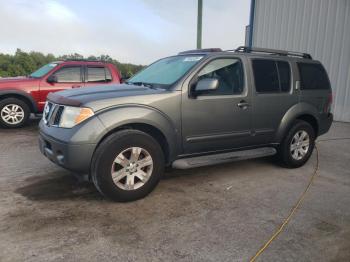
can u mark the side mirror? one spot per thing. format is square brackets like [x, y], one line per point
[206, 85]
[52, 79]
[124, 78]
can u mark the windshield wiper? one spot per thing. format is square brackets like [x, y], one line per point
[141, 84]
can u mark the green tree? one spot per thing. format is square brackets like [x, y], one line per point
[23, 63]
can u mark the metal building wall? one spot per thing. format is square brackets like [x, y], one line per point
[318, 27]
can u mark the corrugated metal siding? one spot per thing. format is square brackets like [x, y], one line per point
[318, 27]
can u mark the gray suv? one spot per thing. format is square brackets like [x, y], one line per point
[197, 108]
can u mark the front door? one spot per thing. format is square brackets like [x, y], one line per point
[219, 119]
[67, 77]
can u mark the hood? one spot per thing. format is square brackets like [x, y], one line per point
[15, 78]
[12, 81]
[81, 96]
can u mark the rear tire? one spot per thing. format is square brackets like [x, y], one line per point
[298, 144]
[127, 165]
[13, 113]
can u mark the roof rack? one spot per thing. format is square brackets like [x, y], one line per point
[83, 60]
[196, 51]
[246, 49]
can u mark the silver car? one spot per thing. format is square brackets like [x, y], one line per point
[197, 108]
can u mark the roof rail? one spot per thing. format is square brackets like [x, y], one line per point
[196, 51]
[83, 60]
[246, 49]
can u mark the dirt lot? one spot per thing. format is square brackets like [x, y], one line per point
[221, 213]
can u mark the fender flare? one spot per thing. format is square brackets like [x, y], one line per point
[129, 114]
[291, 115]
[22, 94]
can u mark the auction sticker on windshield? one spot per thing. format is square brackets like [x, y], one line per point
[192, 58]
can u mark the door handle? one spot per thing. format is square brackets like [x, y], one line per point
[76, 86]
[243, 104]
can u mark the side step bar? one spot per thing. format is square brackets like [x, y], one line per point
[208, 160]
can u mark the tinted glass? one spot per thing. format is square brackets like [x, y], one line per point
[96, 74]
[68, 75]
[284, 74]
[108, 75]
[265, 76]
[43, 70]
[229, 72]
[313, 76]
[167, 70]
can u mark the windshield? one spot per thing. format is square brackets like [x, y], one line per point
[165, 71]
[43, 70]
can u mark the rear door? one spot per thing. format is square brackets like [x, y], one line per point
[273, 95]
[69, 76]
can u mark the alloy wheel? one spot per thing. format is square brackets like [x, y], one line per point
[299, 145]
[132, 168]
[12, 114]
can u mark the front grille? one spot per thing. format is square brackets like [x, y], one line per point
[52, 114]
[58, 116]
[47, 111]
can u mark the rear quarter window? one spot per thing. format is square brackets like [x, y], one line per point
[313, 76]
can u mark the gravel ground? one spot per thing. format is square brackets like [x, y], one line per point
[218, 213]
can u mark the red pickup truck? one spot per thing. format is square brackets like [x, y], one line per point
[21, 96]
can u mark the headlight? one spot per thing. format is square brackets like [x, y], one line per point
[72, 116]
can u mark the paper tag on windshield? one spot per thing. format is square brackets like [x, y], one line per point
[192, 58]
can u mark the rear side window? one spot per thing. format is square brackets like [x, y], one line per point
[271, 76]
[284, 75]
[98, 74]
[313, 76]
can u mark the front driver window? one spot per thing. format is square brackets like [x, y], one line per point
[70, 74]
[229, 72]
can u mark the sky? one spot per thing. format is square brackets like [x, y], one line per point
[131, 31]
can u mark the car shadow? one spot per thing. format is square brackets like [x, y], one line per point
[63, 185]
[58, 186]
[32, 125]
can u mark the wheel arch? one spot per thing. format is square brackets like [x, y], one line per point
[301, 111]
[146, 128]
[22, 96]
[144, 119]
[311, 120]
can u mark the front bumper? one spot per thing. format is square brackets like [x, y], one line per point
[74, 157]
[325, 123]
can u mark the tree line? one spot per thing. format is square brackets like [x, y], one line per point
[23, 63]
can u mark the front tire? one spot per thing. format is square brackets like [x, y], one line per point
[13, 113]
[127, 165]
[297, 146]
